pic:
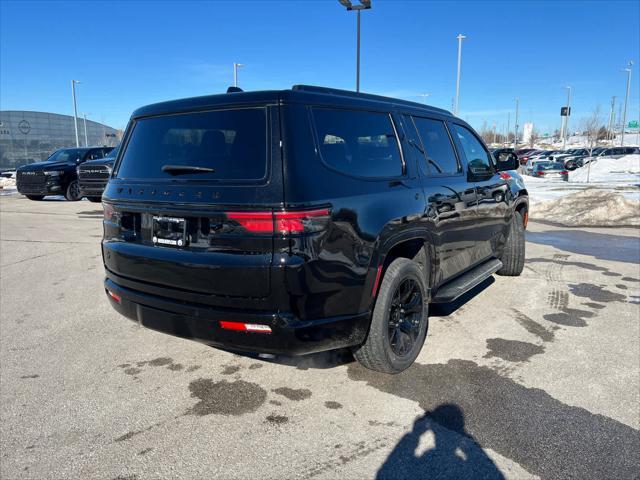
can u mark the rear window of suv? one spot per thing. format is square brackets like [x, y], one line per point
[231, 142]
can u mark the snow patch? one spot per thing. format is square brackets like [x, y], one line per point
[611, 170]
[589, 208]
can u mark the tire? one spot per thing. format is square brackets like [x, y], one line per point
[95, 199]
[513, 254]
[35, 197]
[382, 350]
[73, 192]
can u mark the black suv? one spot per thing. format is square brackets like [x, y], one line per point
[94, 175]
[305, 220]
[57, 174]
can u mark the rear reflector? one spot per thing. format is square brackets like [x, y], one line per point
[374, 291]
[245, 327]
[115, 297]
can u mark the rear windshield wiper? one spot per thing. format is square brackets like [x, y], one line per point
[184, 169]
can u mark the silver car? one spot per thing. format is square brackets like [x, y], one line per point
[551, 171]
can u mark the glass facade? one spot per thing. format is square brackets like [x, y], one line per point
[27, 137]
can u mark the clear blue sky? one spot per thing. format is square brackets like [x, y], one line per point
[129, 54]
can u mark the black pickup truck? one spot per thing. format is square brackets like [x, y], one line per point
[57, 174]
[93, 176]
[304, 220]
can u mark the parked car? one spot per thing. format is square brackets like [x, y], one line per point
[524, 151]
[57, 175]
[551, 171]
[618, 152]
[525, 157]
[94, 175]
[304, 220]
[574, 159]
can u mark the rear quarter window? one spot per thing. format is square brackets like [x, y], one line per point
[231, 142]
[358, 143]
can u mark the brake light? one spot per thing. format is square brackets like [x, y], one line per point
[564, 172]
[283, 222]
[109, 211]
[245, 327]
[541, 174]
[288, 223]
[256, 222]
[505, 176]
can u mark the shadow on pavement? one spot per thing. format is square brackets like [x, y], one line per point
[452, 453]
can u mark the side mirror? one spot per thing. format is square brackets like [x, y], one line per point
[507, 161]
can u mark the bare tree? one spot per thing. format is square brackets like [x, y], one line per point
[590, 127]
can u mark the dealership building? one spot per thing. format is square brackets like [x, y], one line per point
[27, 137]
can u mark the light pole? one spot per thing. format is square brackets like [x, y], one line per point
[236, 66]
[506, 139]
[515, 137]
[626, 99]
[460, 37]
[86, 138]
[424, 96]
[566, 122]
[364, 5]
[75, 110]
[611, 116]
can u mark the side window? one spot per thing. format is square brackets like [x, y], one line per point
[438, 150]
[95, 154]
[362, 144]
[478, 159]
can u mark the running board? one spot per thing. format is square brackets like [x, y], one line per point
[465, 282]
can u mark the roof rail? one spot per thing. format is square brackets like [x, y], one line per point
[351, 93]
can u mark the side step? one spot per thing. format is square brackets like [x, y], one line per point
[465, 282]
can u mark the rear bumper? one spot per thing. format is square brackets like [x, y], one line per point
[289, 336]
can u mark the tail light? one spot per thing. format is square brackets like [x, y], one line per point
[505, 176]
[564, 172]
[282, 222]
[541, 174]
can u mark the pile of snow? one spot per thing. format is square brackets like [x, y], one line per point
[611, 170]
[589, 208]
[7, 182]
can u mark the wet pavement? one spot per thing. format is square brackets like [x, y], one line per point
[534, 376]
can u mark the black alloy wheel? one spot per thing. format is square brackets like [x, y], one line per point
[405, 315]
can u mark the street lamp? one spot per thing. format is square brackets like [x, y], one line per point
[86, 138]
[515, 137]
[75, 109]
[626, 99]
[236, 66]
[460, 37]
[364, 5]
[566, 118]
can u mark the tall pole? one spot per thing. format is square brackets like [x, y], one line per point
[75, 110]
[611, 117]
[566, 122]
[515, 137]
[86, 139]
[506, 139]
[626, 99]
[460, 37]
[358, 56]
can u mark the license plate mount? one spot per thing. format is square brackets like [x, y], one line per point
[169, 231]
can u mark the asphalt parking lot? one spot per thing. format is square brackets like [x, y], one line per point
[535, 376]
